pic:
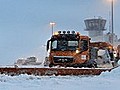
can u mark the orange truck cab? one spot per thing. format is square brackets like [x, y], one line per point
[69, 49]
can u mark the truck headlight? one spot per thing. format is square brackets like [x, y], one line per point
[77, 51]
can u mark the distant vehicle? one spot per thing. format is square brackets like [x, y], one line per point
[28, 61]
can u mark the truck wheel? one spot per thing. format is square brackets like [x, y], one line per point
[50, 65]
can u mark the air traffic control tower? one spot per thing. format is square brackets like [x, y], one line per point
[95, 27]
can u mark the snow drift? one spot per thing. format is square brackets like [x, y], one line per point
[106, 81]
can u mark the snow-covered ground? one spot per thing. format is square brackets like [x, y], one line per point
[106, 81]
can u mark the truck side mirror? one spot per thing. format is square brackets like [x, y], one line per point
[48, 45]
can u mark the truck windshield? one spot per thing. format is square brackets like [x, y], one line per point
[64, 45]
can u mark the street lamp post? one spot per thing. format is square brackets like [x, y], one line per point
[52, 26]
[112, 21]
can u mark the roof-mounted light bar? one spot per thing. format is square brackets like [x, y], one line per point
[73, 32]
[66, 32]
[59, 32]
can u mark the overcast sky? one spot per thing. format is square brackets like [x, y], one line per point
[24, 24]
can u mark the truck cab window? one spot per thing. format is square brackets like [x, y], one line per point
[62, 45]
[54, 44]
[72, 43]
[84, 45]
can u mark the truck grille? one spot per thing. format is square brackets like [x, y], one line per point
[63, 59]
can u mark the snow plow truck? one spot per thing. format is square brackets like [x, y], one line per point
[70, 49]
[70, 53]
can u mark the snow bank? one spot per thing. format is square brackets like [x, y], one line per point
[106, 81]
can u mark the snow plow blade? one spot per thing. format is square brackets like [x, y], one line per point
[12, 71]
